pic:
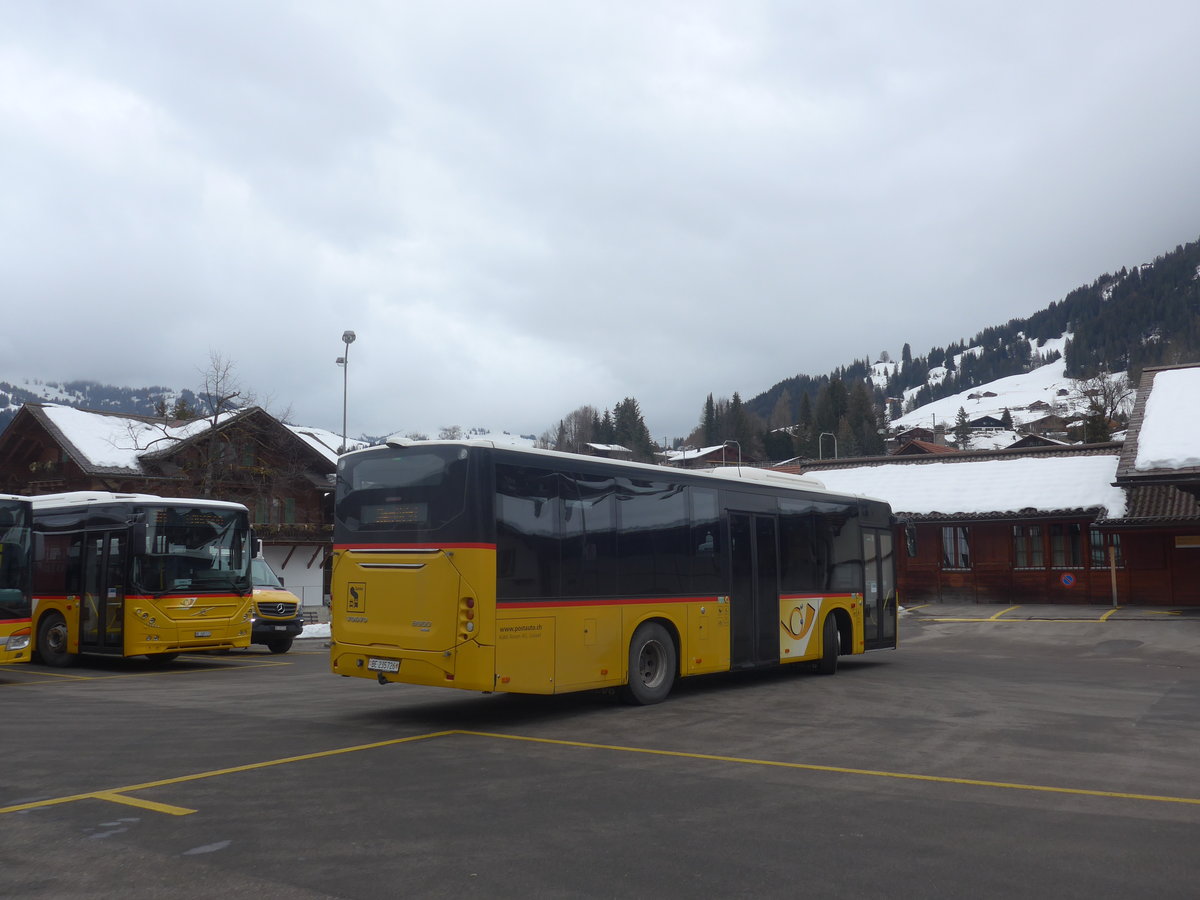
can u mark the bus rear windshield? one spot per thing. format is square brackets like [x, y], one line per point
[410, 489]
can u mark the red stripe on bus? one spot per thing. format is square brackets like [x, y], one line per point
[16, 621]
[646, 601]
[816, 596]
[75, 598]
[400, 548]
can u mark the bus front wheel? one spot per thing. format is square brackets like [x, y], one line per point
[652, 666]
[52, 641]
[831, 640]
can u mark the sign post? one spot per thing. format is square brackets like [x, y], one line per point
[1112, 568]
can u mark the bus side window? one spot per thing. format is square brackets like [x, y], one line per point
[705, 542]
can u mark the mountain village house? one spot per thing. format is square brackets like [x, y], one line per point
[282, 473]
[1103, 523]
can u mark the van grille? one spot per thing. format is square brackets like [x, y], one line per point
[277, 610]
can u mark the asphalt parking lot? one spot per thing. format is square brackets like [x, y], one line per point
[1031, 753]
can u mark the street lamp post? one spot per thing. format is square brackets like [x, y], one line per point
[344, 361]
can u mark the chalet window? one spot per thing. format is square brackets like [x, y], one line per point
[1028, 552]
[1066, 545]
[1100, 542]
[956, 547]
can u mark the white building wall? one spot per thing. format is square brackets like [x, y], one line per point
[302, 574]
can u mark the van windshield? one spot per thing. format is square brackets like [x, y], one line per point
[263, 575]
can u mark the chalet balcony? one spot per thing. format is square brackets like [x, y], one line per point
[300, 532]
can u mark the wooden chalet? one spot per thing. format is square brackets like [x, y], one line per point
[986, 423]
[1112, 523]
[707, 457]
[1000, 526]
[1159, 470]
[923, 448]
[281, 473]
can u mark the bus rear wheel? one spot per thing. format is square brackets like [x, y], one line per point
[52, 641]
[652, 666]
[831, 639]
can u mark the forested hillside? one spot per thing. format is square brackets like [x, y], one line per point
[1145, 316]
[90, 395]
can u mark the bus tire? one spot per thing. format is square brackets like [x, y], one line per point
[653, 664]
[279, 645]
[158, 660]
[831, 639]
[52, 641]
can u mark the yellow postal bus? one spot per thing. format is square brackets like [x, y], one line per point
[139, 575]
[463, 564]
[16, 633]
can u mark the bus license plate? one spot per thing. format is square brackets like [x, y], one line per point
[201, 634]
[281, 628]
[383, 665]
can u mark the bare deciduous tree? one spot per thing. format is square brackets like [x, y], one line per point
[1107, 399]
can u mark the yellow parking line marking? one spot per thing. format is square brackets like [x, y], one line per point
[1104, 618]
[119, 795]
[997, 616]
[113, 794]
[225, 667]
[44, 674]
[843, 770]
[919, 606]
[143, 804]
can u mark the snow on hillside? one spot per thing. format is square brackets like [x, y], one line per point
[499, 438]
[1048, 384]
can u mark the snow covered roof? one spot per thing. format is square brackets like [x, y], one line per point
[996, 487]
[610, 448]
[115, 443]
[1162, 447]
[728, 452]
[1170, 430]
[324, 442]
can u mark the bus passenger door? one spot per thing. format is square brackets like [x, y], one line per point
[754, 590]
[879, 589]
[102, 615]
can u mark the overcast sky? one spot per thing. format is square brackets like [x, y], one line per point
[524, 207]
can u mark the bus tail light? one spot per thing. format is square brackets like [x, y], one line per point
[466, 618]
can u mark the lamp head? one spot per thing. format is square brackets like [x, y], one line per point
[348, 337]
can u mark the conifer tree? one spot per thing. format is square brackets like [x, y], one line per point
[962, 429]
[708, 422]
[631, 431]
